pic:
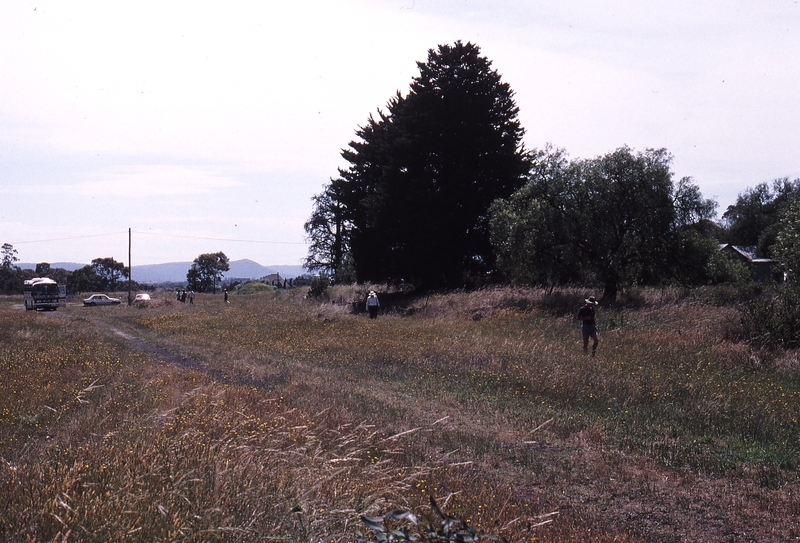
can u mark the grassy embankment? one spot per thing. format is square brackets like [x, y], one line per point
[278, 418]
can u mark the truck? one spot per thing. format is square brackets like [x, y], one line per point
[42, 293]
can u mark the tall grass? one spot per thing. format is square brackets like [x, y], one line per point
[281, 417]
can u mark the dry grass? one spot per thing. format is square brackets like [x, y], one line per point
[278, 417]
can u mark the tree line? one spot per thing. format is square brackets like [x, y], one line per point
[439, 191]
[105, 274]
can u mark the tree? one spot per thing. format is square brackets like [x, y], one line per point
[753, 219]
[617, 219]
[9, 256]
[206, 271]
[532, 230]
[422, 176]
[108, 272]
[86, 280]
[328, 232]
[787, 239]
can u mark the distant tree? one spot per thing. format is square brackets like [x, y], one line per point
[85, 280]
[193, 279]
[109, 272]
[617, 219]
[422, 176]
[207, 271]
[9, 256]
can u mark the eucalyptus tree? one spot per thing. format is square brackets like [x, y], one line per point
[207, 271]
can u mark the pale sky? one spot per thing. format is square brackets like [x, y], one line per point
[207, 127]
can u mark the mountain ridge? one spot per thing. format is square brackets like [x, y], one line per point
[175, 272]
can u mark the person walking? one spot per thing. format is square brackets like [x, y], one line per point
[225, 291]
[191, 297]
[588, 325]
[373, 305]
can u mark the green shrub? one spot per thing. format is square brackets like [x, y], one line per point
[772, 318]
[319, 285]
[252, 287]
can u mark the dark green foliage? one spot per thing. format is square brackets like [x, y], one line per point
[415, 198]
[772, 319]
[450, 529]
[207, 271]
[109, 272]
[319, 286]
[786, 246]
[753, 219]
[328, 231]
[618, 219]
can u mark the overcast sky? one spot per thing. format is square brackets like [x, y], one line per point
[208, 127]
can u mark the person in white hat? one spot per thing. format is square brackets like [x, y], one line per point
[588, 326]
[373, 305]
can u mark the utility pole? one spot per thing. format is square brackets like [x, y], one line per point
[130, 269]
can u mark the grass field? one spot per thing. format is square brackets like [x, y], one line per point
[277, 418]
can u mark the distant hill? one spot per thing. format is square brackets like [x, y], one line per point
[175, 272]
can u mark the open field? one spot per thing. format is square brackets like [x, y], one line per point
[276, 418]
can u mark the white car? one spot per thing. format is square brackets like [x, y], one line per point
[100, 299]
[142, 298]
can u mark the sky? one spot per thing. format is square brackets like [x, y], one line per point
[194, 127]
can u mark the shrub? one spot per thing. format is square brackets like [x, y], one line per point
[772, 319]
[319, 285]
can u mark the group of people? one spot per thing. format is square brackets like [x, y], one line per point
[181, 295]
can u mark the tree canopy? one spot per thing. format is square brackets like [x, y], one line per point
[207, 271]
[616, 219]
[753, 220]
[413, 204]
[786, 248]
[9, 256]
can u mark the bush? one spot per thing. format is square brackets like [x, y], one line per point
[252, 287]
[319, 285]
[772, 319]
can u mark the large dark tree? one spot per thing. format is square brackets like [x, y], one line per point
[617, 219]
[207, 271]
[423, 174]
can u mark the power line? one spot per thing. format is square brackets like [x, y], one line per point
[221, 239]
[67, 239]
[162, 235]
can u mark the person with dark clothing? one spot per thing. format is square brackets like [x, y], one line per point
[588, 325]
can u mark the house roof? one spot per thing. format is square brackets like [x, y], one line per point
[746, 251]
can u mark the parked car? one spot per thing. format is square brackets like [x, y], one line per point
[100, 299]
[144, 298]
